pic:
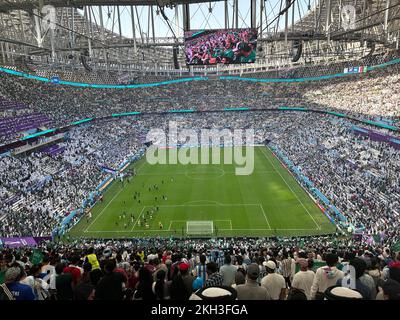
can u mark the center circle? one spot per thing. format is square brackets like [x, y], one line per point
[206, 172]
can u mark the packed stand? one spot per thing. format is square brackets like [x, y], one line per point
[367, 96]
[357, 174]
[153, 269]
[38, 190]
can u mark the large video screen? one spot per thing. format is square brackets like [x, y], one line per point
[226, 46]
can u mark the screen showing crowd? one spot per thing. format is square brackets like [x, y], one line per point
[207, 47]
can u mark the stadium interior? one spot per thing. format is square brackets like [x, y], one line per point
[85, 215]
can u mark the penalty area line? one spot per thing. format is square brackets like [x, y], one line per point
[102, 211]
[158, 230]
[290, 188]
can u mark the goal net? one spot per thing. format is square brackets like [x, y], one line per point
[199, 228]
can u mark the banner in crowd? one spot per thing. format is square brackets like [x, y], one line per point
[39, 240]
[359, 69]
[36, 256]
[376, 136]
[17, 242]
[108, 170]
[55, 80]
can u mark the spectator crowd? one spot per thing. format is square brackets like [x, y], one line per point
[38, 190]
[357, 174]
[187, 269]
[373, 96]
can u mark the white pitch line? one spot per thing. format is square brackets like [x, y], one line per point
[140, 214]
[102, 211]
[185, 173]
[294, 229]
[265, 155]
[209, 205]
[132, 231]
[161, 174]
[216, 202]
[230, 222]
[263, 229]
[171, 221]
[158, 230]
[265, 216]
[140, 167]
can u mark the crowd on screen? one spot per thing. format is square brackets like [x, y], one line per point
[174, 269]
[222, 46]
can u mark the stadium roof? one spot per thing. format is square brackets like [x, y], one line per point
[6, 5]
[106, 28]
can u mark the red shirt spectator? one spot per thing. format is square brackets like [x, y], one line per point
[73, 269]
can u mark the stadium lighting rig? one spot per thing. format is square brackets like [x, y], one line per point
[295, 29]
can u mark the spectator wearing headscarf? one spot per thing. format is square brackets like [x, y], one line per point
[303, 279]
[326, 276]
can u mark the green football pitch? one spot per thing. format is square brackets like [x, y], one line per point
[268, 202]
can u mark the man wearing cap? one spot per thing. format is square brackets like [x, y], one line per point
[246, 54]
[186, 276]
[251, 290]
[303, 279]
[273, 282]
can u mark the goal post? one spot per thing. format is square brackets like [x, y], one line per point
[199, 228]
